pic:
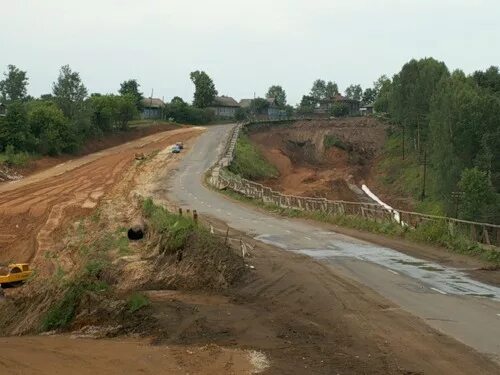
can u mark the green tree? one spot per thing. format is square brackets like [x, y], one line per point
[102, 112]
[278, 94]
[177, 100]
[241, 114]
[131, 87]
[412, 90]
[462, 119]
[339, 110]
[322, 90]
[69, 92]
[354, 92]
[14, 85]
[182, 112]
[259, 106]
[307, 105]
[125, 111]
[52, 130]
[382, 87]
[205, 91]
[15, 130]
[331, 90]
[489, 79]
[478, 196]
[369, 96]
[318, 90]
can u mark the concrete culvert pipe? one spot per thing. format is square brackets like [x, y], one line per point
[137, 230]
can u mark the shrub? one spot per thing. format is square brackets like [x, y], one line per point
[339, 110]
[13, 158]
[331, 141]
[63, 312]
[136, 302]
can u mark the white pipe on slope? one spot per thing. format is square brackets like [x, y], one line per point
[396, 215]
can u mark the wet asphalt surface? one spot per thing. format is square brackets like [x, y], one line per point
[446, 298]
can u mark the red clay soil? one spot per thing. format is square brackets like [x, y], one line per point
[308, 168]
[94, 145]
[33, 209]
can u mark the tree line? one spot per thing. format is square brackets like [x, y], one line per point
[61, 121]
[450, 122]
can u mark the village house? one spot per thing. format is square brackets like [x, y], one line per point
[273, 111]
[351, 104]
[152, 108]
[224, 106]
[366, 110]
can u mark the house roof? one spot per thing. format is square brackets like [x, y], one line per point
[224, 101]
[152, 103]
[245, 103]
[340, 98]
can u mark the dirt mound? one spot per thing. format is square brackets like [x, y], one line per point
[321, 158]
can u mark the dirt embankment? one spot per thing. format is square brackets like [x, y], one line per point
[34, 209]
[322, 158]
[91, 146]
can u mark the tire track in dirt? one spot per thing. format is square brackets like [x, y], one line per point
[32, 210]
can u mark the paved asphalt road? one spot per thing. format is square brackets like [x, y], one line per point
[445, 298]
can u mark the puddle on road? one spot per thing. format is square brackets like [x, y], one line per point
[446, 279]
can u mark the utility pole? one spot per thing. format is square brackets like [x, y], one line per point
[403, 142]
[424, 163]
[151, 104]
[457, 197]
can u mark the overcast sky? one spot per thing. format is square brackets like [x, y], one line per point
[245, 46]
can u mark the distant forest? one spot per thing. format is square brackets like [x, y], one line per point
[450, 122]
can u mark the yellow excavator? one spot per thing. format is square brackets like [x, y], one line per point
[17, 274]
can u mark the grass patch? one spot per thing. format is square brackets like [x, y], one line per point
[61, 314]
[13, 158]
[331, 141]
[249, 162]
[174, 229]
[136, 302]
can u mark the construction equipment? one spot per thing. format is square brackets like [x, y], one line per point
[18, 273]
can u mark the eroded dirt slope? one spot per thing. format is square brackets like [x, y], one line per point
[323, 158]
[33, 209]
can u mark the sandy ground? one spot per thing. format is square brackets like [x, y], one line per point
[33, 209]
[64, 355]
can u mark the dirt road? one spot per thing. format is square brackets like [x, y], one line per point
[64, 355]
[446, 298]
[33, 210]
